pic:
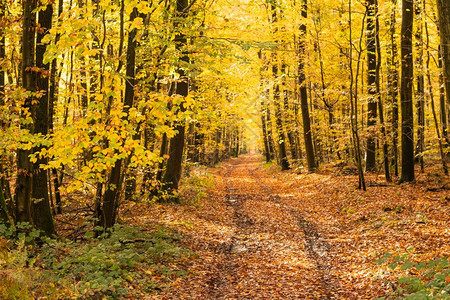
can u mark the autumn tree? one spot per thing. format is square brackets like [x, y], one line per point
[406, 92]
[443, 8]
[371, 82]
[174, 163]
[24, 166]
[307, 133]
[41, 213]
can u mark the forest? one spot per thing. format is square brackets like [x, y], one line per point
[224, 149]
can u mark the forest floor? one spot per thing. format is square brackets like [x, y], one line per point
[264, 234]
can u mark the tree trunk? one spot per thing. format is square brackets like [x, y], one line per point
[111, 196]
[442, 104]
[393, 86]
[406, 92]
[354, 98]
[371, 34]
[40, 208]
[387, 174]
[430, 90]
[307, 133]
[24, 166]
[53, 99]
[4, 216]
[443, 8]
[420, 94]
[173, 169]
[277, 102]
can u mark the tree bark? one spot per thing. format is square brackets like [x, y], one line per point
[393, 86]
[277, 102]
[387, 173]
[420, 93]
[406, 92]
[371, 83]
[40, 208]
[443, 8]
[307, 133]
[24, 166]
[172, 175]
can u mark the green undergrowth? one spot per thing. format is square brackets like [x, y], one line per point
[126, 262]
[418, 279]
[194, 187]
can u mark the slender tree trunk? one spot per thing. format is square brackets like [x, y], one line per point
[371, 83]
[393, 87]
[442, 104]
[443, 8]
[406, 92]
[269, 124]
[53, 91]
[263, 114]
[378, 96]
[4, 216]
[112, 193]
[307, 132]
[430, 90]
[420, 94]
[277, 101]
[354, 99]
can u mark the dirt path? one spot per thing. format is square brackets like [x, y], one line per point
[264, 234]
[254, 245]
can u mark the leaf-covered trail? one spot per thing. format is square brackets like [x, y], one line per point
[265, 234]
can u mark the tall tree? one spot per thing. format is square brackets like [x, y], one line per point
[263, 110]
[41, 213]
[24, 166]
[393, 85]
[112, 192]
[420, 92]
[406, 92]
[284, 162]
[372, 106]
[387, 173]
[443, 8]
[174, 163]
[4, 218]
[307, 133]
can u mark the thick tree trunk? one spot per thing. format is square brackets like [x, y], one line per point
[24, 166]
[40, 208]
[406, 92]
[307, 133]
[174, 163]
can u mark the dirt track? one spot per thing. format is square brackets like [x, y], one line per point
[267, 249]
[265, 234]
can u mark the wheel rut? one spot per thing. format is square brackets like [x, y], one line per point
[244, 257]
[316, 246]
[226, 277]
